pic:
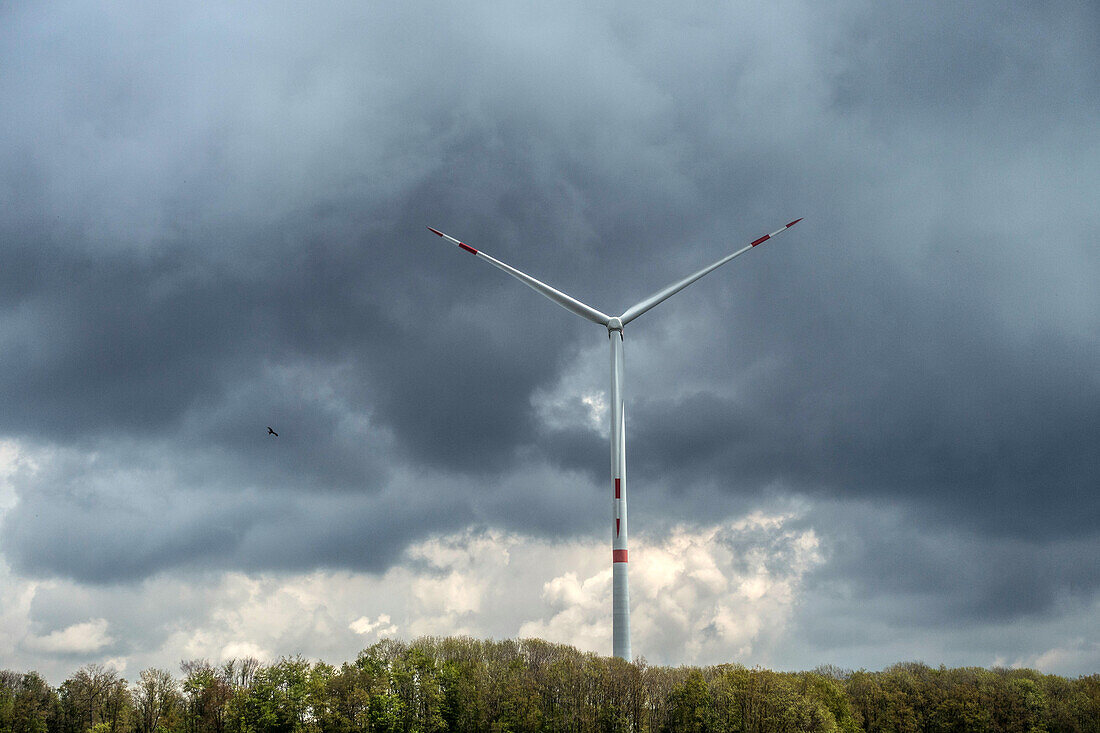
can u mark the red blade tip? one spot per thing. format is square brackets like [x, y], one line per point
[436, 231]
[793, 223]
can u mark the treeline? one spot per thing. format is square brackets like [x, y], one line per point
[461, 684]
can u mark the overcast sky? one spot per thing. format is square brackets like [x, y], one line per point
[872, 440]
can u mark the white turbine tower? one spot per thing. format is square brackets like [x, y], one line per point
[614, 324]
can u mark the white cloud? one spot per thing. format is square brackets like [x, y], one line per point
[579, 396]
[16, 594]
[699, 595]
[13, 457]
[117, 663]
[243, 650]
[82, 638]
[1078, 653]
[596, 402]
[688, 590]
[363, 626]
[733, 591]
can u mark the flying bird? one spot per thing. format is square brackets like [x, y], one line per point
[271, 432]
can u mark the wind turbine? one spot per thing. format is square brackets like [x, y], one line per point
[620, 610]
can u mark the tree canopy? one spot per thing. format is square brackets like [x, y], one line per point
[463, 684]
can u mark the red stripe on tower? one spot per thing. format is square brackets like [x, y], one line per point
[618, 556]
[764, 238]
[468, 248]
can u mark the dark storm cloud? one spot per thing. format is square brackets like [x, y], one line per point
[998, 430]
[214, 221]
[124, 517]
[954, 66]
[899, 585]
[128, 346]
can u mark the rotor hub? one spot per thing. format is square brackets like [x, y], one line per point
[615, 325]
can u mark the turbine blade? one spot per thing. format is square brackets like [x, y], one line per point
[569, 303]
[639, 308]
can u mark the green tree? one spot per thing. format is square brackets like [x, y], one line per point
[278, 699]
[94, 695]
[414, 679]
[827, 687]
[690, 707]
[27, 703]
[463, 684]
[207, 696]
[7, 698]
[156, 700]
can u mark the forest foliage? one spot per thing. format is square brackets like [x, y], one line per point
[463, 684]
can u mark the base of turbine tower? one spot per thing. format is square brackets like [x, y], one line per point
[620, 615]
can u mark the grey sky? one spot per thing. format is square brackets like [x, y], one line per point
[212, 220]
